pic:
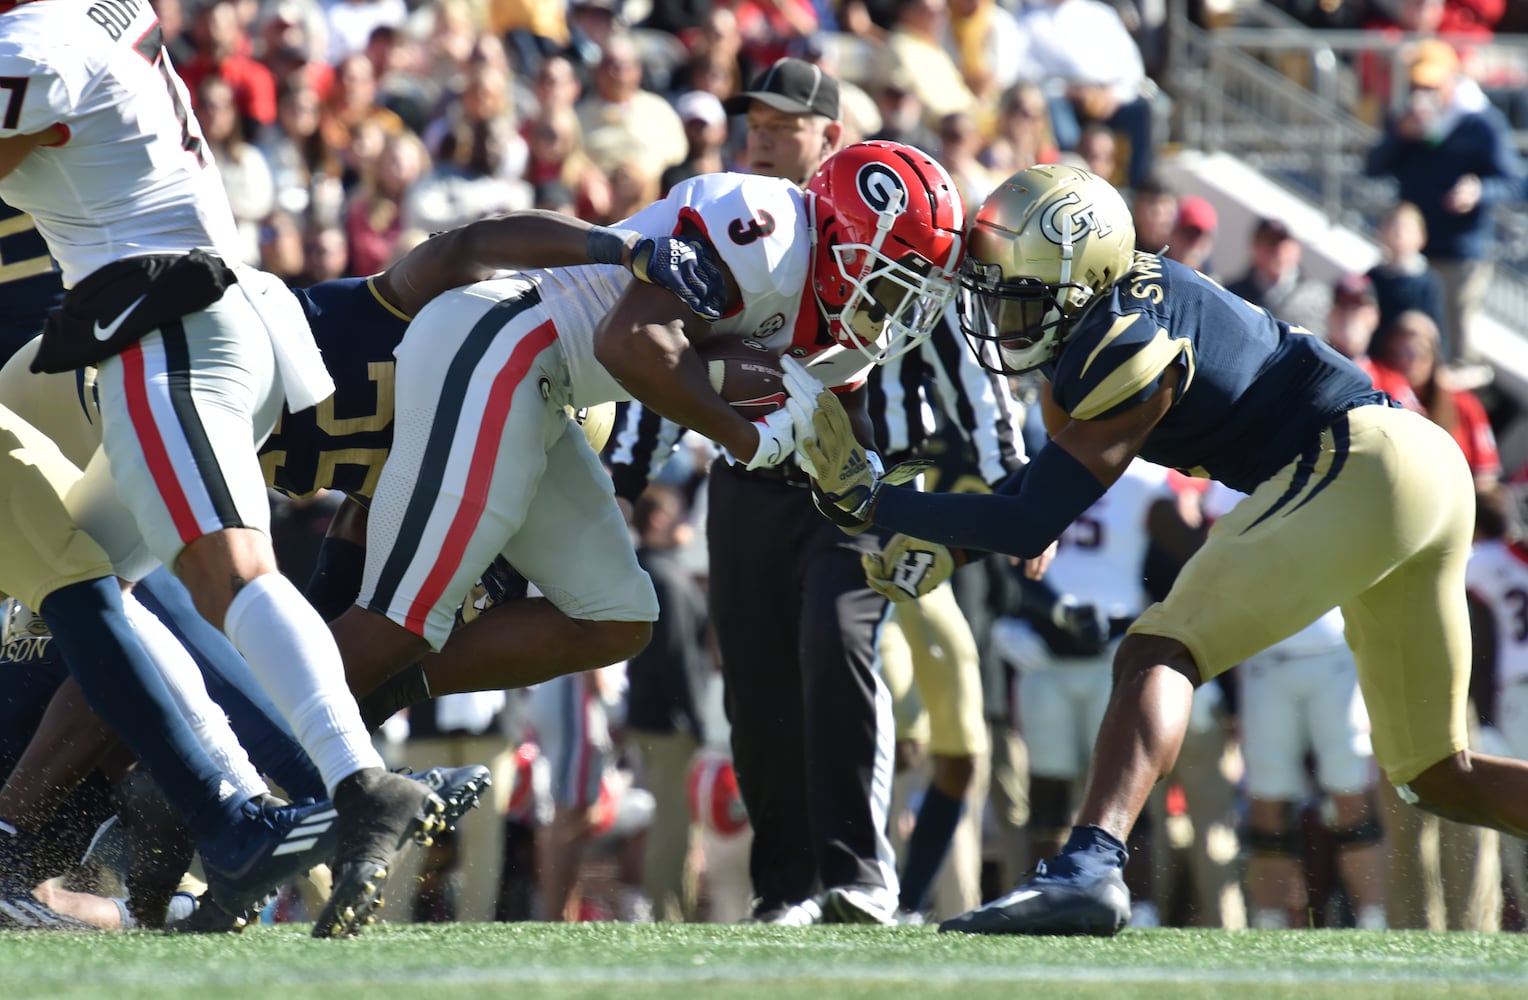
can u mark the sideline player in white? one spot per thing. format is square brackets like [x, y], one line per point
[482, 465]
[98, 144]
[1062, 698]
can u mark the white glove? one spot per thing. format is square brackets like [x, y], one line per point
[803, 388]
[777, 439]
[907, 568]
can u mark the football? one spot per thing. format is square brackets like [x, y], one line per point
[745, 373]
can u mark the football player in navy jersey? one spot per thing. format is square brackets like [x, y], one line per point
[1354, 502]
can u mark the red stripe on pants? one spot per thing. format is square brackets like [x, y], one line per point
[155, 454]
[485, 454]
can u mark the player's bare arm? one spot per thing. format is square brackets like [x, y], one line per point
[16, 148]
[536, 239]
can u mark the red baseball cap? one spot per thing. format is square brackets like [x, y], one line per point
[1196, 213]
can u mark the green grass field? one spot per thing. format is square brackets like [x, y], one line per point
[617, 961]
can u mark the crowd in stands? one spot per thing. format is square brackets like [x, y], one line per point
[349, 130]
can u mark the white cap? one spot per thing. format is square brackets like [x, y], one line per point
[700, 105]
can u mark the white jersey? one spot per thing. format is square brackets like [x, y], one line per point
[1497, 576]
[758, 226]
[1102, 553]
[132, 175]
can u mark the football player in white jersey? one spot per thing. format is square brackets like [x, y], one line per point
[99, 146]
[481, 464]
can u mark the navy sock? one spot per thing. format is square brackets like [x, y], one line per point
[927, 847]
[1090, 850]
[266, 737]
[123, 686]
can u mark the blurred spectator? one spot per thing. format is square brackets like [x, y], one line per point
[981, 37]
[1097, 148]
[451, 39]
[1453, 156]
[557, 154]
[281, 247]
[1403, 279]
[556, 87]
[666, 681]
[374, 216]
[403, 87]
[620, 119]
[633, 186]
[1024, 137]
[915, 57]
[325, 255]
[351, 23]
[1154, 208]
[771, 28]
[902, 112]
[532, 28]
[1100, 80]
[223, 50]
[1275, 283]
[1193, 235]
[469, 179]
[555, 196]
[294, 147]
[1410, 347]
[716, 56]
[477, 129]
[1350, 328]
[353, 103]
[246, 176]
[960, 146]
[591, 25]
[291, 45]
[705, 127]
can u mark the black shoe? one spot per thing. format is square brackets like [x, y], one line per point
[1053, 903]
[160, 847]
[210, 918]
[379, 813]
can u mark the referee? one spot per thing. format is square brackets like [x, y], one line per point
[797, 626]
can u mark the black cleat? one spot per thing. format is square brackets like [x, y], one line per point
[460, 788]
[379, 814]
[1049, 903]
[210, 918]
[160, 847]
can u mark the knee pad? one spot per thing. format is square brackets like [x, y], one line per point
[1283, 842]
[1361, 834]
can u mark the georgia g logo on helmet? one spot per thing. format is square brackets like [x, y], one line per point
[1079, 220]
[881, 188]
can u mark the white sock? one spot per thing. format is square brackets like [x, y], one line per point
[1372, 918]
[1270, 919]
[293, 653]
[205, 717]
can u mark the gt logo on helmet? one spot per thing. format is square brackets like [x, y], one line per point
[881, 188]
[1080, 220]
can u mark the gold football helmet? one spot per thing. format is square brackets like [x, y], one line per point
[1043, 246]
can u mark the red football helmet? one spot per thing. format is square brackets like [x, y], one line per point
[888, 233]
[715, 802]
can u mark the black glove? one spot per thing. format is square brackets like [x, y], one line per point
[685, 268]
[1083, 629]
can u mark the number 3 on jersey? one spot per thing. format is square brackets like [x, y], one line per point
[151, 48]
[746, 231]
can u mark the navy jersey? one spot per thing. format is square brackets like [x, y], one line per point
[1255, 391]
[30, 283]
[341, 443]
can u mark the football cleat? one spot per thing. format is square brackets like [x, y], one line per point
[160, 846]
[379, 813]
[207, 917]
[858, 905]
[267, 846]
[460, 788]
[1094, 903]
[802, 914]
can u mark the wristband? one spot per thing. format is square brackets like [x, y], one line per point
[604, 245]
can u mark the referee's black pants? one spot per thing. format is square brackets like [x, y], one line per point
[811, 721]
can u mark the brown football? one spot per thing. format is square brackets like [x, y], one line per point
[745, 373]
